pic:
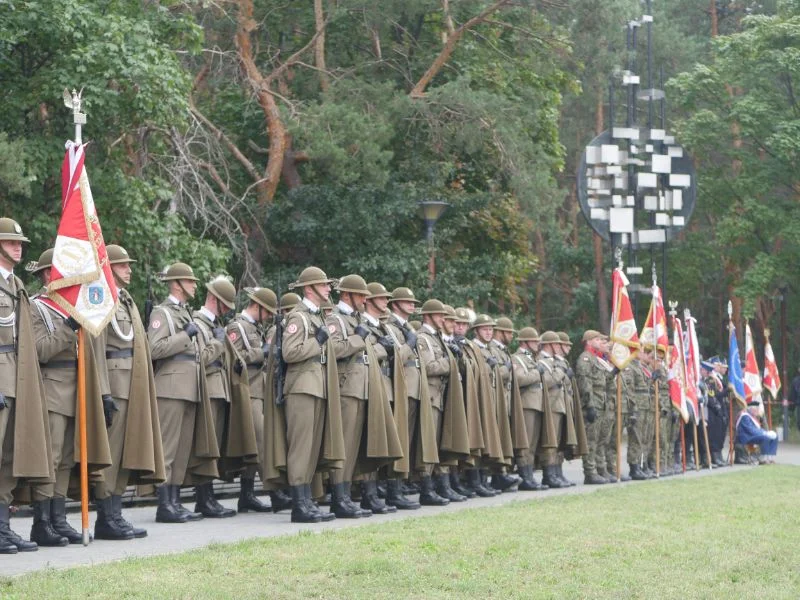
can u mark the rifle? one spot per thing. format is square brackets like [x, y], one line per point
[148, 303]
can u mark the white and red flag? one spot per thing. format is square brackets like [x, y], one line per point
[624, 335]
[654, 332]
[692, 351]
[677, 372]
[81, 282]
[752, 376]
[772, 378]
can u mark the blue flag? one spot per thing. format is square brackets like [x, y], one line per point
[735, 375]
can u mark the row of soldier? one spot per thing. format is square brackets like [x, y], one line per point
[307, 395]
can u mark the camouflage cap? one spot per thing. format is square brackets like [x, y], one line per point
[118, 255]
[264, 297]
[403, 293]
[222, 288]
[10, 231]
[178, 270]
[528, 334]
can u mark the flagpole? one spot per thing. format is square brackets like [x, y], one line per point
[74, 101]
[655, 356]
[769, 402]
[618, 256]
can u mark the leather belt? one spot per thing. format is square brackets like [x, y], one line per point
[215, 364]
[534, 386]
[361, 359]
[557, 386]
[183, 358]
[255, 366]
[412, 363]
[60, 364]
[8, 348]
[124, 353]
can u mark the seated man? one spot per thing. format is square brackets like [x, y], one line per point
[749, 431]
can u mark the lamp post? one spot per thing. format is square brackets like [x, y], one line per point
[431, 210]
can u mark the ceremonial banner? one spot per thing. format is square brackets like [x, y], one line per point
[752, 376]
[772, 378]
[654, 331]
[81, 283]
[677, 372]
[624, 335]
[692, 366]
[735, 375]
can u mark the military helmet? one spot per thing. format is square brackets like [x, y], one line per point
[264, 297]
[377, 290]
[482, 320]
[450, 313]
[549, 337]
[591, 334]
[45, 262]
[564, 337]
[311, 276]
[354, 284]
[289, 300]
[403, 293]
[462, 315]
[415, 325]
[178, 270]
[10, 231]
[433, 307]
[222, 288]
[504, 324]
[528, 334]
[327, 305]
[117, 255]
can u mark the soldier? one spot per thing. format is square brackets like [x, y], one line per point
[126, 373]
[575, 439]
[553, 384]
[405, 360]
[635, 397]
[434, 355]
[246, 333]
[18, 352]
[665, 425]
[591, 371]
[421, 436]
[310, 374]
[713, 371]
[503, 334]
[530, 386]
[56, 346]
[176, 355]
[288, 301]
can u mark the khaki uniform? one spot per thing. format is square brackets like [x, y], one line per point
[500, 352]
[591, 374]
[305, 390]
[530, 386]
[212, 352]
[553, 380]
[8, 385]
[352, 363]
[248, 339]
[411, 370]
[176, 358]
[433, 353]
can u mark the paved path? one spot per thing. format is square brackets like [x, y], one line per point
[165, 539]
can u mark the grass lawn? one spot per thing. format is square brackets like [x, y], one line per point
[728, 536]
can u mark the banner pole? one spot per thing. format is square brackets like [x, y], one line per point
[658, 428]
[731, 450]
[705, 438]
[683, 444]
[84, 467]
[696, 445]
[619, 426]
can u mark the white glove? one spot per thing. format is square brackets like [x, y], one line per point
[772, 435]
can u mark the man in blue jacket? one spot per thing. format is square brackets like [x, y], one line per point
[749, 431]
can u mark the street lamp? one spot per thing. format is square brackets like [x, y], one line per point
[430, 211]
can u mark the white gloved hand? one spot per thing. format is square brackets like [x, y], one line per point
[772, 435]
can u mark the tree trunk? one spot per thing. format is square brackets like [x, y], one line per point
[319, 46]
[603, 310]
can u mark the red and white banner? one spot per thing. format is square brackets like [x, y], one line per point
[654, 332]
[677, 372]
[772, 378]
[752, 376]
[81, 282]
[692, 365]
[624, 335]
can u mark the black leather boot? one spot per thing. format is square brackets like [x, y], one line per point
[42, 531]
[116, 507]
[175, 490]
[105, 527]
[718, 460]
[207, 504]
[442, 482]
[8, 537]
[485, 481]
[476, 483]
[560, 473]
[280, 500]
[370, 501]
[612, 477]
[550, 478]
[636, 472]
[410, 487]
[428, 496]
[341, 503]
[325, 516]
[594, 479]
[504, 482]
[247, 497]
[459, 488]
[167, 512]
[58, 517]
[303, 511]
[395, 497]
